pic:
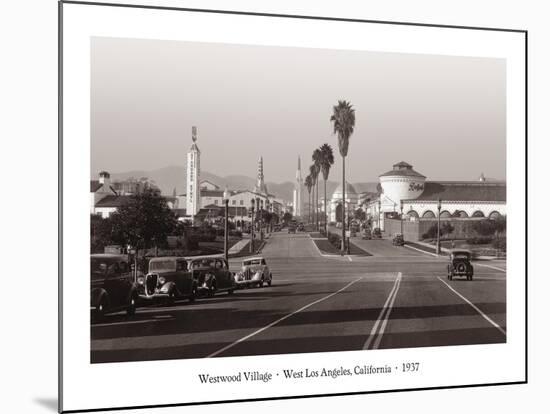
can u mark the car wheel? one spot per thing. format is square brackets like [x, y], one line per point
[171, 297]
[212, 290]
[451, 276]
[131, 309]
[261, 282]
[193, 295]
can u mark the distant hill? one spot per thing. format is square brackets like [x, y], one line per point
[171, 177]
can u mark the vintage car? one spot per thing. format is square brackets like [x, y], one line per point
[212, 275]
[254, 272]
[169, 278]
[366, 233]
[459, 264]
[376, 233]
[112, 285]
[398, 240]
[301, 227]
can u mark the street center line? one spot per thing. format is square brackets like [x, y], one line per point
[492, 267]
[380, 316]
[244, 338]
[496, 325]
[386, 318]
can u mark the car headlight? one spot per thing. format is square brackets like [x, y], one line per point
[162, 280]
[141, 280]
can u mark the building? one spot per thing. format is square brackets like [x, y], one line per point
[335, 203]
[406, 191]
[297, 193]
[193, 195]
[100, 189]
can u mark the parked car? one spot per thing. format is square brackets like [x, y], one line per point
[398, 240]
[254, 272]
[301, 227]
[212, 275]
[168, 278]
[376, 233]
[459, 264]
[112, 285]
[366, 233]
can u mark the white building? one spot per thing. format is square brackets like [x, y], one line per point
[403, 187]
[335, 203]
[99, 190]
[193, 196]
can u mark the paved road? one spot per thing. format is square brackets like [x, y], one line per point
[395, 298]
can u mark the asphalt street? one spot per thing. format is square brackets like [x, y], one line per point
[395, 298]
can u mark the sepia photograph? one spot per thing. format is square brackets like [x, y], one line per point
[250, 200]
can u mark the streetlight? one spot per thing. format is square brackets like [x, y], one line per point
[379, 209]
[401, 206]
[438, 247]
[252, 226]
[226, 225]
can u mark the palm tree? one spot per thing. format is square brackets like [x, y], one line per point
[327, 159]
[314, 173]
[316, 158]
[343, 119]
[308, 182]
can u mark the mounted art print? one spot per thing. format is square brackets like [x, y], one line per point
[302, 205]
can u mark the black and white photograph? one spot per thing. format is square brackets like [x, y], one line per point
[272, 206]
[257, 200]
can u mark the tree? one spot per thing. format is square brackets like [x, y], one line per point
[343, 119]
[145, 221]
[327, 160]
[308, 182]
[316, 158]
[287, 217]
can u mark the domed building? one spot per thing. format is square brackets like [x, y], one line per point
[406, 191]
[335, 204]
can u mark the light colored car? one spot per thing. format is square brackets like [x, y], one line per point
[254, 272]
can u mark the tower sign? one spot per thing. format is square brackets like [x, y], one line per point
[193, 197]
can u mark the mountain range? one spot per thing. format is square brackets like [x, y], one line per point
[174, 177]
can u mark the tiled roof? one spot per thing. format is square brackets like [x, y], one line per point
[112, 201]
[463, 191]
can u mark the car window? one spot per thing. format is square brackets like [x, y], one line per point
[162, 265]
[253, 262]
[181, 266]
[218, 264]
[98, 268]
[263, 261]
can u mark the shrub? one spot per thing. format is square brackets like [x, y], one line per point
[479, 240]
[334, 239]
[499, 244]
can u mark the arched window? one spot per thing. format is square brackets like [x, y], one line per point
[412, 213]
[428, 214]
[494, 215]
[478, 214]
[462, 214]
[445, 214]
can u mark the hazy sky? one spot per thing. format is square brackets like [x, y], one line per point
[445, 115]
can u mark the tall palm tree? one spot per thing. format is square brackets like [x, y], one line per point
[343, 119]
[316, 158]
[308, 182]
[314, 173]
[327, 159]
